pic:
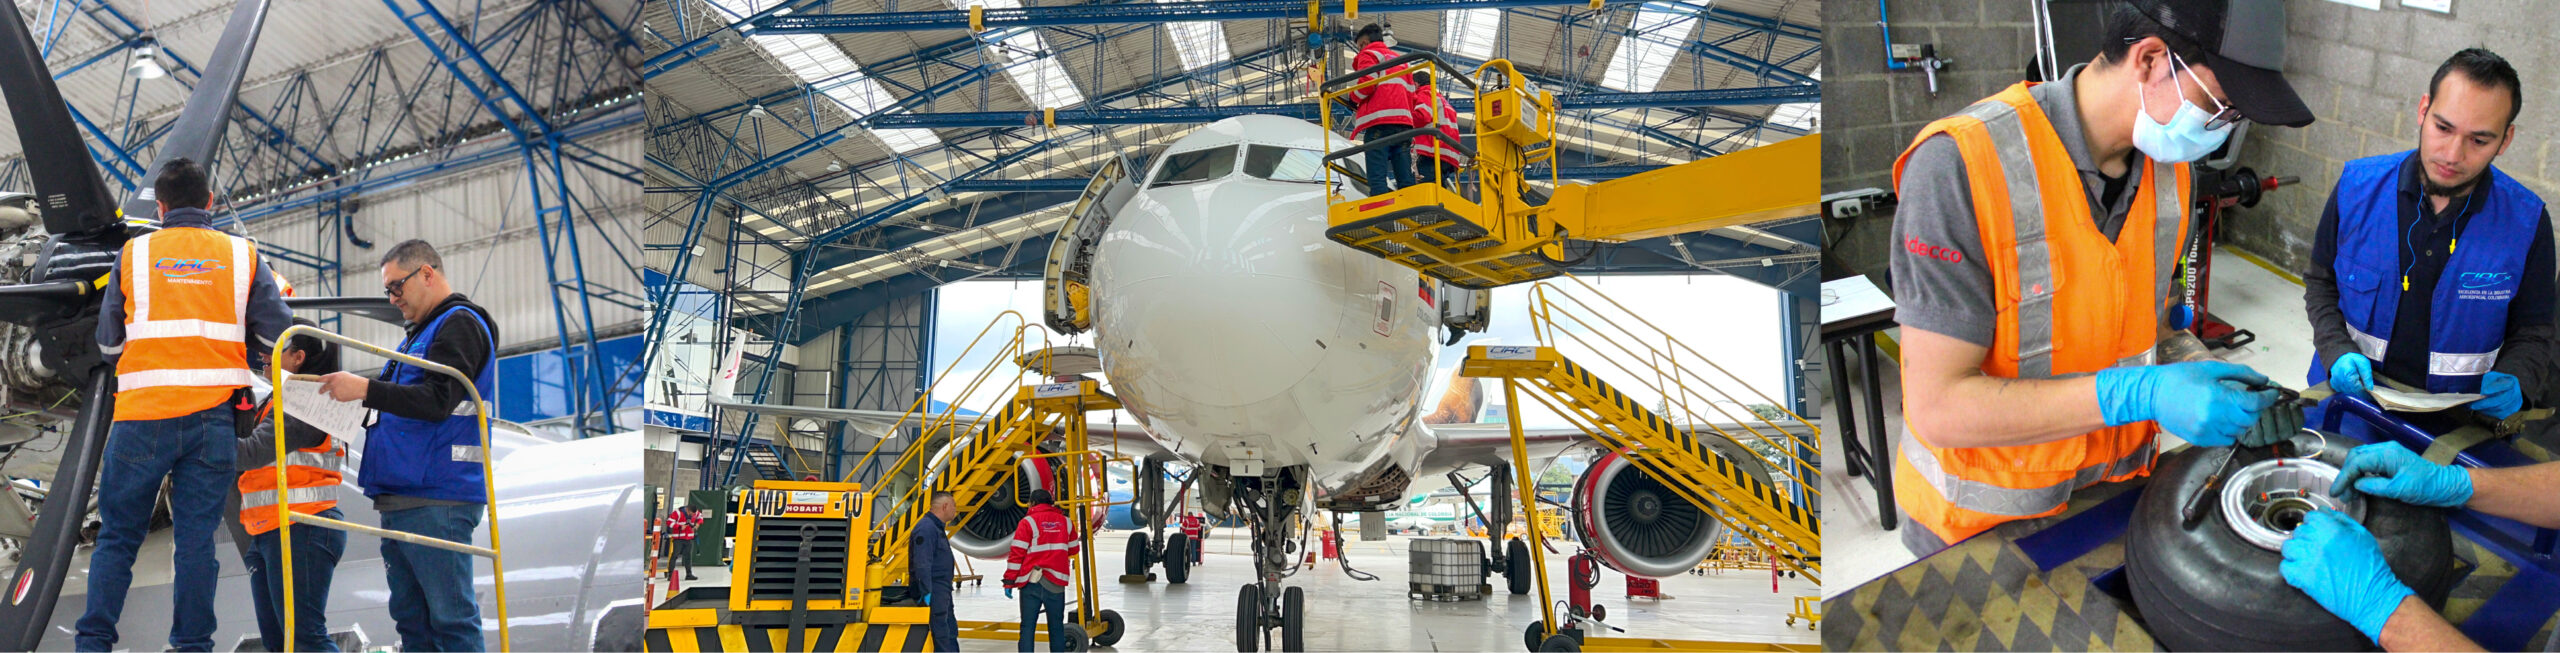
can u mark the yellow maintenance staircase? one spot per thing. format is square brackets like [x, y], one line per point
[1014, 418]
[1489, 233]
[1752, 470]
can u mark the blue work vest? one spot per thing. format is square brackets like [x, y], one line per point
[429, 459]
[2468, 320]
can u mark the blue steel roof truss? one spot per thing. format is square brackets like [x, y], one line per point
[987, 142]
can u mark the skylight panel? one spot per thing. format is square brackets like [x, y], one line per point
[1200, 43]
[1805, 116]
[1645, 55]
[815, 60]
[1470, 32]
[1031, 66]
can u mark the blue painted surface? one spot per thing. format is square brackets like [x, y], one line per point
[536, 386]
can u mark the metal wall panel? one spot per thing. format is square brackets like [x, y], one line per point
[482, 224]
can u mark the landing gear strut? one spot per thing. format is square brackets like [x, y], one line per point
[1269, 506]
[1511, 559]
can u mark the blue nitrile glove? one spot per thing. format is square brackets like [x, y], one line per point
[2502, 396]
[2337, 562]
[1008, 592]
[2391, 471]
[927, 599]
[2207, 402]
[2351, 374]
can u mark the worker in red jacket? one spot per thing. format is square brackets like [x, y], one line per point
[1191, 527]
[1435, 157]
[1043, 543]
[1381, 110]
[681, 525]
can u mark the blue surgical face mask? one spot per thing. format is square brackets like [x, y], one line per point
[2184, 139]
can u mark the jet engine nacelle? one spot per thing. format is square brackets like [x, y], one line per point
[988, 533]
[1639, 526]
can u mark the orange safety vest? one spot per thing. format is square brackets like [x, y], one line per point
[2070, 302]
[186, 295]
[311, 485]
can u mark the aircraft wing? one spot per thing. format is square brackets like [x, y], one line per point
[1485, 443]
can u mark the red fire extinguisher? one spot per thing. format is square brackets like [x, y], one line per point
[1583, 570]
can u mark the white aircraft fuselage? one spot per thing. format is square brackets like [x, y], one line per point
[1229, 324]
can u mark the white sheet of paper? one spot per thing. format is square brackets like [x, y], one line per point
[304, 401]
[2419, 402]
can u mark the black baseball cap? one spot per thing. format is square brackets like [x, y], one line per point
[2243, 42]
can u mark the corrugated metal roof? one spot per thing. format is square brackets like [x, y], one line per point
[306, 46]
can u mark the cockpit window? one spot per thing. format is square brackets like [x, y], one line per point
[1283, 164]
[1195, 165]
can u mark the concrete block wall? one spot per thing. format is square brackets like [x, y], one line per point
[2362, 71]
[1870, 113]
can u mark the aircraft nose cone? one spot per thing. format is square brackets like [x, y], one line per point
[1215, 292]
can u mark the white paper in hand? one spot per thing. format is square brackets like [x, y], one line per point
[304, 401]
[2420, 402]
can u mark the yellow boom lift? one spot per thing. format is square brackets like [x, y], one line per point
[1498, 237]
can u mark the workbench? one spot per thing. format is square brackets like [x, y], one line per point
[1854, 313]
[2057, 582]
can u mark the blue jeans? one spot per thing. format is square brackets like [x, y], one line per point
[1038, 600]
[432, 602]
[1395, 159]
[315, 562]
[193, 453]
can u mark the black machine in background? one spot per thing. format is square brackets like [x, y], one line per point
[2215, 191]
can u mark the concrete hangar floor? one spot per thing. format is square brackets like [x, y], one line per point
[1350, 615]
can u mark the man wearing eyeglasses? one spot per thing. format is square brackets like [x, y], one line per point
[2040, 230]
[422, 453]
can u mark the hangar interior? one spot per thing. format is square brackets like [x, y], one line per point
[830, 182]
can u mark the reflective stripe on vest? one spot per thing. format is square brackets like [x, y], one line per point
[313, 475]
[2071, 301]
[1362, 121]
[267, 498]
[2438, 363]
[1986, 498]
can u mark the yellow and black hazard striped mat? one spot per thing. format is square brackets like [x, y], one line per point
[842, 637]
[1985, 594]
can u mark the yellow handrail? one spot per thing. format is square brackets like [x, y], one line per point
[977, 427]
[1660, 368]
[488, 480]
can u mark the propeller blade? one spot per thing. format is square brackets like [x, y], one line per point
[69, 191]
[36, 585]
[32, 304]
[198, 131]
[376, 308]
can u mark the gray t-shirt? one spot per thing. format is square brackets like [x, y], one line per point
[1941, 283]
